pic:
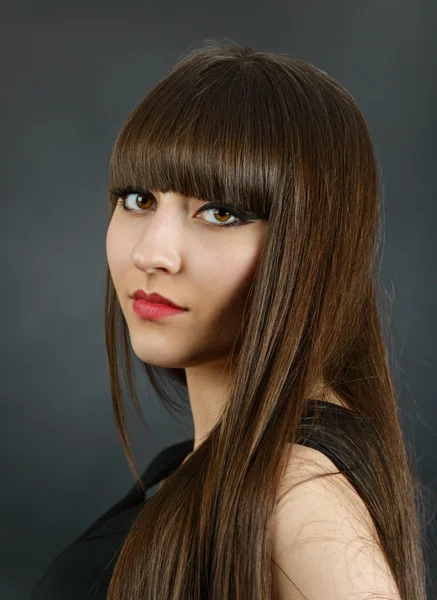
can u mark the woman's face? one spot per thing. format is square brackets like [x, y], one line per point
[166, 246]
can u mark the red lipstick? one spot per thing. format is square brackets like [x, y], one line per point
[154, 306]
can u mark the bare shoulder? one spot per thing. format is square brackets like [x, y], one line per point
[324, 539]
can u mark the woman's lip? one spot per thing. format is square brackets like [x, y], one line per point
[153, 311]
[155, 299]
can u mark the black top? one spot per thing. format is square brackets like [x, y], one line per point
[83, 570]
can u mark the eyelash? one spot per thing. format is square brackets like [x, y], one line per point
[122, 194]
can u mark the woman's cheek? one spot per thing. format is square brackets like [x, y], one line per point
[117, 250]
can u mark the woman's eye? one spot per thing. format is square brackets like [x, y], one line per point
[140, 201]
[219, 213]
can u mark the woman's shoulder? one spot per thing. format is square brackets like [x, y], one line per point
[324, 540]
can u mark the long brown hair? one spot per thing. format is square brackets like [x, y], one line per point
[272, 135]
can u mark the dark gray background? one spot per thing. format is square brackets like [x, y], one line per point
[70, 75]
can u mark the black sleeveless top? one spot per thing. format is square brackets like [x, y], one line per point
[83, 570]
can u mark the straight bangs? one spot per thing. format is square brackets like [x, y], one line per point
[210, 138]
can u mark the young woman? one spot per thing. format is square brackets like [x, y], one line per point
[244, 190]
